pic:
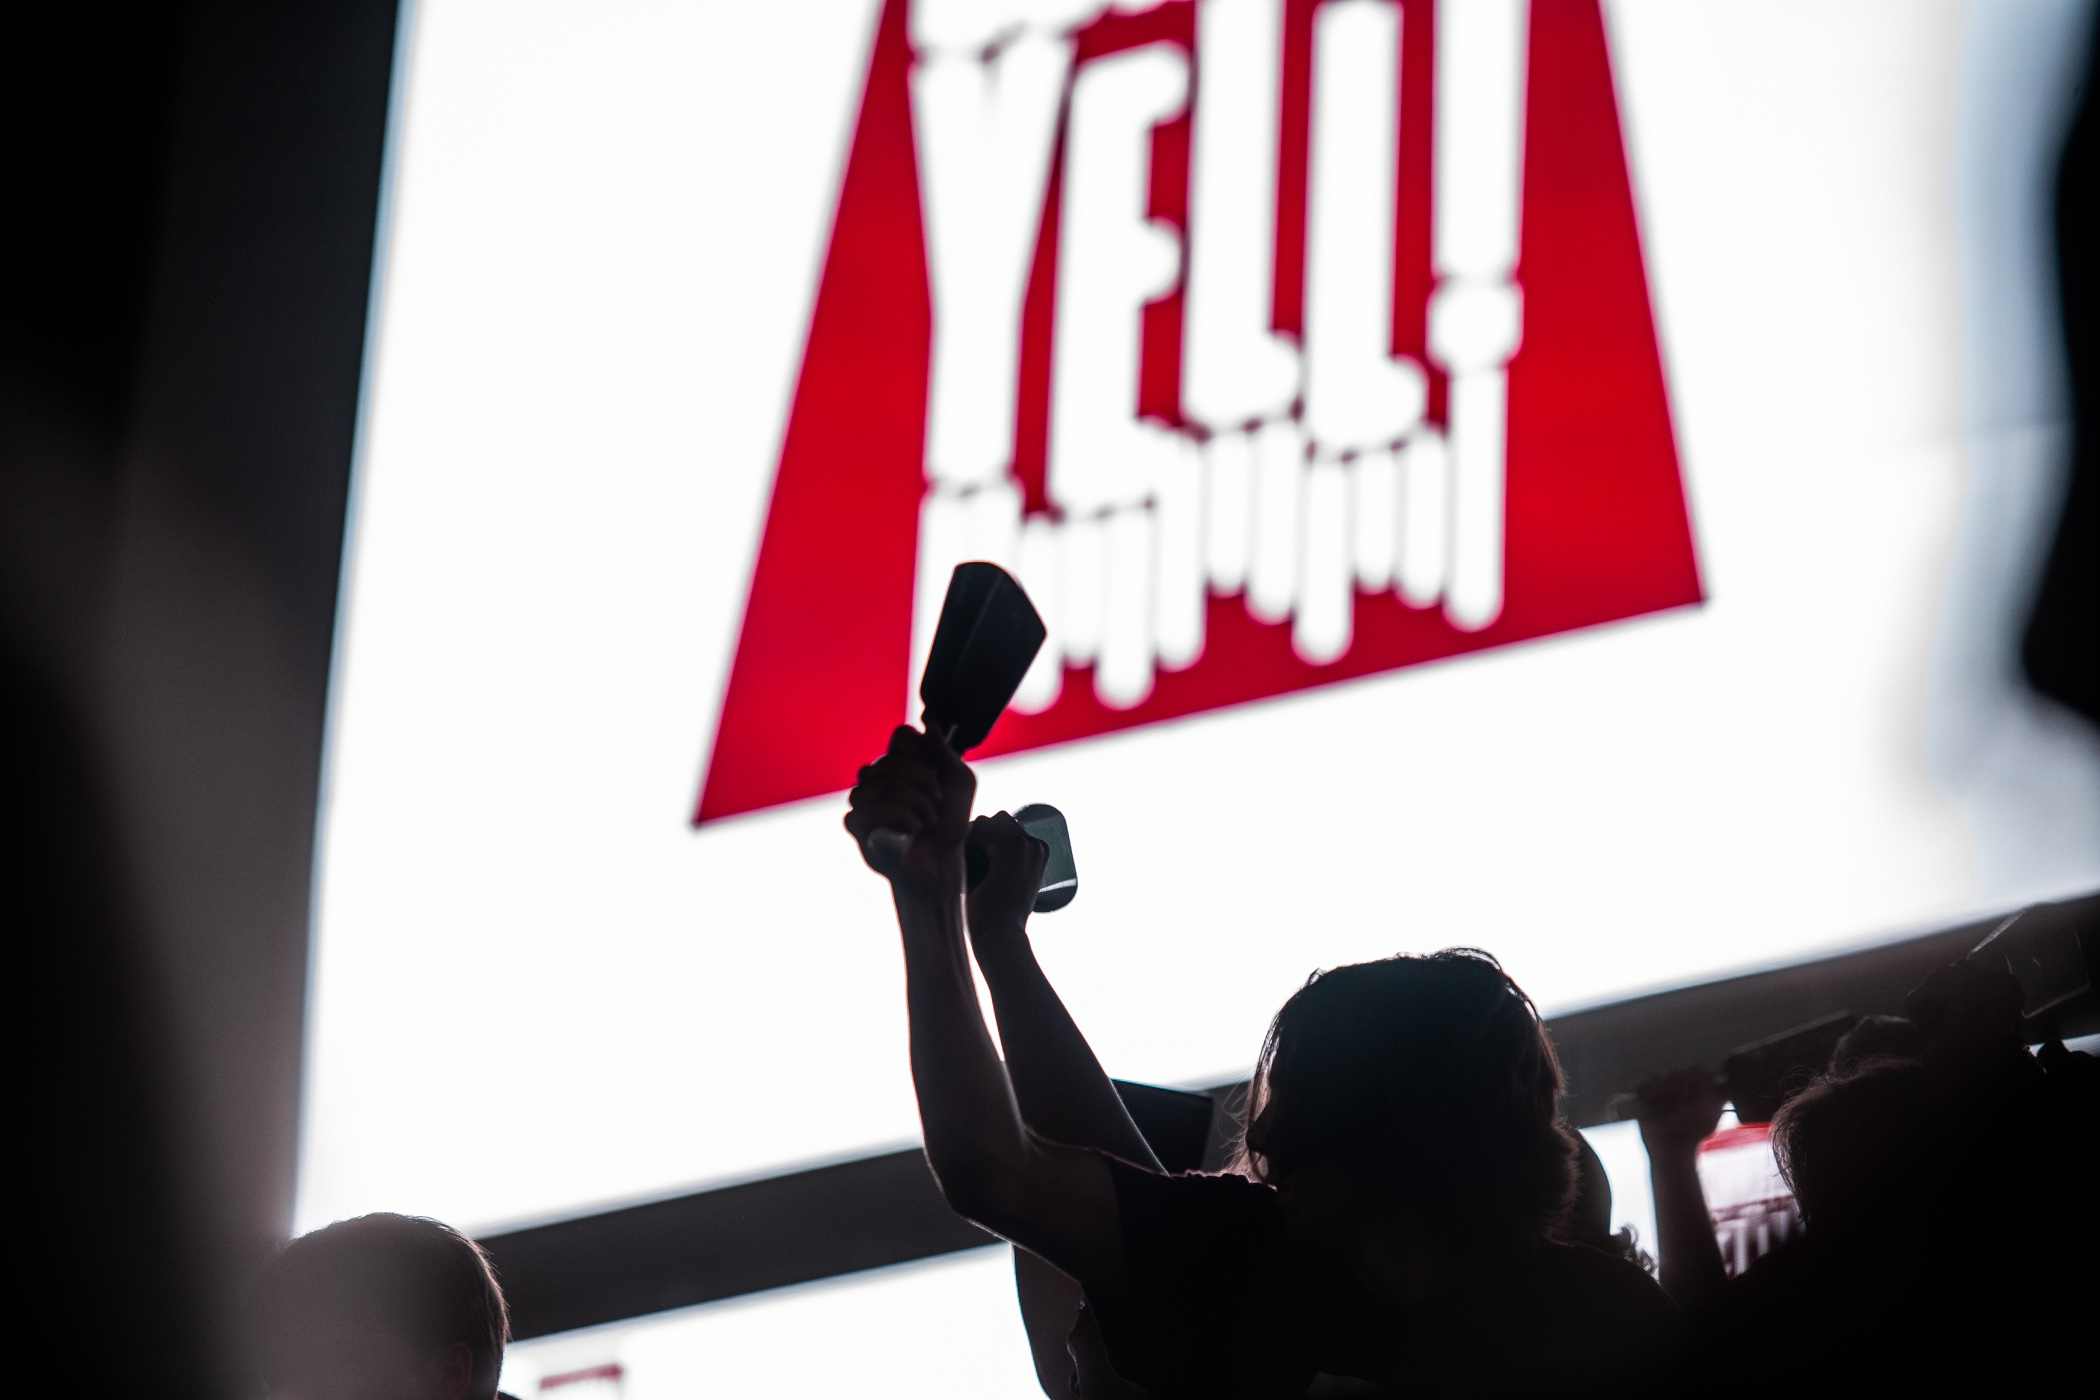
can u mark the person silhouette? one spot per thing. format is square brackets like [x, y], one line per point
[1406, 1175]
[380, 1307]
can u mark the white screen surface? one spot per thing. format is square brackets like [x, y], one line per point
[538, 988]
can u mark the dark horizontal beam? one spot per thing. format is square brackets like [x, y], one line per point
[794, 1228]
[1606, 1050]
[718, 1244]
[816, 1224]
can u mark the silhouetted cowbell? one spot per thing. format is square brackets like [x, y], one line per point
[985, 641]
[983, 645]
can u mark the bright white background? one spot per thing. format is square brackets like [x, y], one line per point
[538, 989]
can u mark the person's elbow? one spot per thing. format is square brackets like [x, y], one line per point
[983, 1182]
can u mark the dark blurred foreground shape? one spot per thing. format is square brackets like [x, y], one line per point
[2062, 648]
[192, 194]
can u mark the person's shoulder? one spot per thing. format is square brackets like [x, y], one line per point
[1600, 1268]
[1606, 1289]
[1611, 1326]
[1193, 1314]
[1227, 1186]
[1221, 1190]
[1223, 1183]
[1588, 1265]
[1195, 1212]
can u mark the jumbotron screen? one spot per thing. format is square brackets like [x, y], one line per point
[1559, 478]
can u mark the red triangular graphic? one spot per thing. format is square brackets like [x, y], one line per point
[820, 663]
[1593, 525]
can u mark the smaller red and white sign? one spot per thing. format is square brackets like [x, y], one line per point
[1751, 1205]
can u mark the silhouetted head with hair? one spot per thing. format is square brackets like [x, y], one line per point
[1859, 1149]
[392, 1306]
[1875, 1038]
[1427, 1081]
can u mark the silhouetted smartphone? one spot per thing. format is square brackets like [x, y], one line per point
[1061, 876]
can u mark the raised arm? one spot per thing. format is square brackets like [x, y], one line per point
[1062, 1091]
[1051, 1198]
[1678, 1111]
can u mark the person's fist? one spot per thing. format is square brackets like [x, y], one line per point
[1678, 1110]
[910, 809]
[1014, 863]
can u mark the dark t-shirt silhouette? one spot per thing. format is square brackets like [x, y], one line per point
[1216, 1304]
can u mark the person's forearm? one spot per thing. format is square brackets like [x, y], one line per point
[1062, 1091]
[975, 1142]
[1064, 1095]
[1687, 1253]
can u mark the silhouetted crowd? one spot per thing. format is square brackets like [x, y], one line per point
[1944, 1175]
[1408, 1214]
